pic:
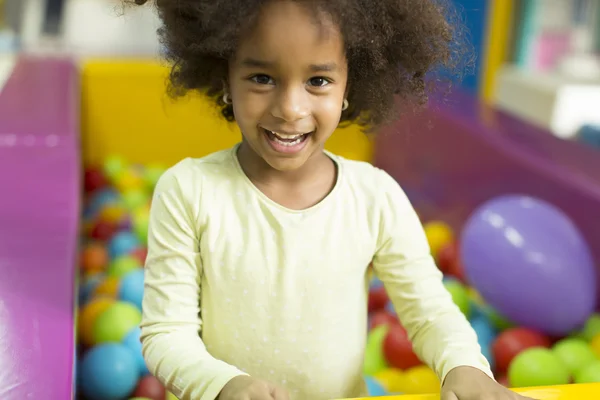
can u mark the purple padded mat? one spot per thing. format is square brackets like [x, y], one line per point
[39, 211]
[452, 158]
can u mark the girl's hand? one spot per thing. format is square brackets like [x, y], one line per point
[248, 388]
[467, 383]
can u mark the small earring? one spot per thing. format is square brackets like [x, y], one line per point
[345, 105]
[226, 98]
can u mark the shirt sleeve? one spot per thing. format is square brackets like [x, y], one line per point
[171, 323]
[442, 336]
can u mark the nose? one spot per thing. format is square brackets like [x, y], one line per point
[291, 104]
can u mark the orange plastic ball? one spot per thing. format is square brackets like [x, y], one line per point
[87, 316]
[94, 258]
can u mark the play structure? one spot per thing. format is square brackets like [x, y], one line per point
[59, 119]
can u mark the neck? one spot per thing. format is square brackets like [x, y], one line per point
[259, 170]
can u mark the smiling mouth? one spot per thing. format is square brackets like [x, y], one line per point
[287, 140]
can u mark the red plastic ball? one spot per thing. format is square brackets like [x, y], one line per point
[140, 255]
[94, 179]
[103, 230]
[513, 341]
[150, 388]
[382, 317]
[378, 298]
[446, 257]
[398, 349]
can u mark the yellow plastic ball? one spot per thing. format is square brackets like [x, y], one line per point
[171, 396]
[128, 180]
[108, 287]
[87, 317]
[391, 379]
[114, 213]
[438, 235]
[595, 345]
[420, 380]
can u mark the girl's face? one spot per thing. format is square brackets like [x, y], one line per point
[287, 82]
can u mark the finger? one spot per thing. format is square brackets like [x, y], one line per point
[449, 395]
[280, 394]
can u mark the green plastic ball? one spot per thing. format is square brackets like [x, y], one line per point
[134, 198]
[113, 166]
[152, 174]
[591, 328]
[589, 374]
[140, 220]
[114, 323]
[460, 296]
[498, 321]
[123, 265]
[374, 358]
[537, 366]
[574, 353]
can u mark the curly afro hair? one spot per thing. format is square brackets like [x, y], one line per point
[395, 49]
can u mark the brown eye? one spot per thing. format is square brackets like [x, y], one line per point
[262, 79]
[319, 81]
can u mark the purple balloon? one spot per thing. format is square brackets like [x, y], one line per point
[529, 262]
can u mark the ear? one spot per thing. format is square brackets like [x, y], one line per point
[225, 86]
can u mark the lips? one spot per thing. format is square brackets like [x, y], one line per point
[286, 142]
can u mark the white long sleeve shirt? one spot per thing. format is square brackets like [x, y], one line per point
[238, 284]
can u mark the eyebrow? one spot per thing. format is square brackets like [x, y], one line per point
[254, 63]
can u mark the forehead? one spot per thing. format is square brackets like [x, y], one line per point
[287, 31]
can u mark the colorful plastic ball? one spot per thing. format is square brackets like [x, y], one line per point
[438, 235]
[374, 358]
[595, 345]
[171, 396]
[116, 322]
[103, 230]
[123, 265]
[378, 298]
[459, 295]
[122, 244]
[391, 379]
[152, 174]
[375, 283]
[151, 388]
[140, 398]
[131, 289]
[127, 180]
[509, 343]
[87, 316]
[88, 286]
[108, 372]
[113, 165]
[591, 328]
[398, 349]
[93, 258]
[486, 334]
[446, 256]
[589, 374]
[574, 353]
[133, 199]
[381, 317]
[139, 221]
[98, 200]
[499, 321]
[140, 254]
[132, 341]
[374, 388]
[109, 287]
[114, 213]
[94, 179]
[537, 366]
[420, 380]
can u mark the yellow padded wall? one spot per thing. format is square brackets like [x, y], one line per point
[125, 111]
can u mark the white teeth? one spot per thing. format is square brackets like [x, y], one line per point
[284, 136]
[295, 142]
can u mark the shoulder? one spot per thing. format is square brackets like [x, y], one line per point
[191, 174]
[368, 178]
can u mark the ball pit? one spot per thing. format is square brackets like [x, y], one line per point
[112, 255]
[520, 356]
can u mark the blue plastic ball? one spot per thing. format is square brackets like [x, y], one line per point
[374, 387]
[389, 307]
[122, 243]
[108, 372]
[375, 283]
[87, 288]
[486, 333]
[132, 341]
[99, 200]
[132, 288]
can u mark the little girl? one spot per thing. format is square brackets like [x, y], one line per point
[256, 276]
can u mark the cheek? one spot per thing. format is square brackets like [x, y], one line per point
[329, 111]
[248, 109]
